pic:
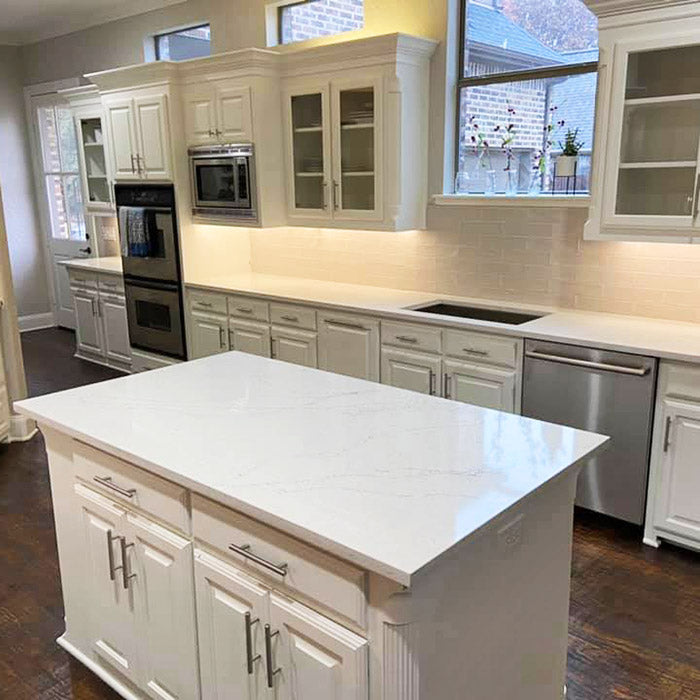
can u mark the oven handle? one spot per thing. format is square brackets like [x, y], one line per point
[620, 369]
[163, 210]
[161, 286]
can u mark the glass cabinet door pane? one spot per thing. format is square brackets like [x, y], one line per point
[357, 148]
[307, 137]
[663, 72]
[661, 132]
[655, 191]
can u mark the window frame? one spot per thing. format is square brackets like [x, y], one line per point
[170, 32]
[503, 77]
[274, 12]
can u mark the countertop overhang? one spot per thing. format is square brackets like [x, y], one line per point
[386, 478]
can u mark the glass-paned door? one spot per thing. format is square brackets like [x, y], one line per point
[657, 173]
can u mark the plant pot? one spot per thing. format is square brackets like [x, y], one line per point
[565, 166]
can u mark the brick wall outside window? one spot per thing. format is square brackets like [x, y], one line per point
[320, 18]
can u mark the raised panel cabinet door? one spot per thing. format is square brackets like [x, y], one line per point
[295, 346]
[151, 117]
[232, 610]
[110, 606]
[349, 346]
[159, 573]
[478, 385]
[121, 139]
[208, 335]
[312, 657]
[87, 323]
[250, 337]
[411, 370]
[200, 118]
[116, 329]
[678, 503]
[234, 120]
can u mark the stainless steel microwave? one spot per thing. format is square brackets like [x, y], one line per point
[223, 182]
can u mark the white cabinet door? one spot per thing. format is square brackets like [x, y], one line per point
[233, 115]
[295, 346]
[160, 562]
[480, 385]
[250, 337]
[678, 500]
[151, 118]
[200, 117]
[231, 647]
[121, 134]
[317, 659]
[110, 606]
[207, 335]
[115, 327]
[349, 345]
[412, 370]
[87, 322]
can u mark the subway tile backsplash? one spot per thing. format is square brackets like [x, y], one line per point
[528, 255]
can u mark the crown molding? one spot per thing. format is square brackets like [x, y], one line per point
[243, 62]
[610, 8]
[132, 76]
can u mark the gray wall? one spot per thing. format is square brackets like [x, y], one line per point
[25, 240]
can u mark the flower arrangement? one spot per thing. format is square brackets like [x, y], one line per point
[507, 133]
[539, 163]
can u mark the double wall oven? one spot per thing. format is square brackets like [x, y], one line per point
[151, 264]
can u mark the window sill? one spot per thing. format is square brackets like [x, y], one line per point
[571, 201]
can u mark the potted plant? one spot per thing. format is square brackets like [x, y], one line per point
[567, 162]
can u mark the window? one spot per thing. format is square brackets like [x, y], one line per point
[193, 42]
[527, 79]
[313, 18]
[59, 149]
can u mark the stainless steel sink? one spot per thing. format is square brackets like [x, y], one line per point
[480, 313]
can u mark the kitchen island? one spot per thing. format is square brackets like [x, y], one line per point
[241, 527]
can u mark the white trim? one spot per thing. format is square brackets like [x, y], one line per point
[22, 428]
[575, 201]
[33, 322]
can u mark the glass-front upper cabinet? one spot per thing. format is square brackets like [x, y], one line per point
[94, 169]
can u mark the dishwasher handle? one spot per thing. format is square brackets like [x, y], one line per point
[605, 366]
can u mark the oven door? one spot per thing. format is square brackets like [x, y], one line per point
[221, 182]
[154, 312]
[157, 259]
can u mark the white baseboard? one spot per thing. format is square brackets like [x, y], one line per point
[34, 322]
[21, 428]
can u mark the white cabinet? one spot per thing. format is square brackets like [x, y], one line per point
[219, 113]
[249, 336]
[349, 345]
[208, 335]
[115, 326]
[88, 330]
[293, 345]
[480, 385]
[412, 370]
[139, 136]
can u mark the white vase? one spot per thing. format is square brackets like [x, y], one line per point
[565, 166]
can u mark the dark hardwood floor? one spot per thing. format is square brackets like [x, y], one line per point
[635, 611]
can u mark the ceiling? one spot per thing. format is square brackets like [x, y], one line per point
[27, 21]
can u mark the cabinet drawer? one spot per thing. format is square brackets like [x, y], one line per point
[288, 315]
[245, 307]
[318, 576]
[82, 280]
[408, 335]
[480, 347]
[112, 284]
[133, 486]
[206, 301]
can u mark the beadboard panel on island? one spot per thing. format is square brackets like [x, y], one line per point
[531, 255]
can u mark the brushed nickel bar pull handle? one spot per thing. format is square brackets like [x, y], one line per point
[620, 369]
[92, 304]
[133, 167]
[231, 337]
[447, 386]
[291, 319]
[336, 198]
[244, 551]
[110, 555]
[344, 324]
[222, 338]
[272, 348]
[696, 199]
[474, 351]
[244, 309]
[271, 672]
[250, 659]
[667, 434]
[431, 386]
[325, 195]
[407, 339]
[205, 304]
[107, 482]
[126, 576]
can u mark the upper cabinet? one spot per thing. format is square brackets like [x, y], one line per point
[217, 113]
[647, 174]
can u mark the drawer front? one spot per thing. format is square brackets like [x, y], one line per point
[206, 301]
[112, 284]
[317, 576]
[296, 316]
[409, 335]
[130, 485]
[245, 307]
[82, 280]
[480, 347]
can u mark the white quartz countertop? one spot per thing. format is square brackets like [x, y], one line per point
[386, 478]
[659, 338]
[109, 265]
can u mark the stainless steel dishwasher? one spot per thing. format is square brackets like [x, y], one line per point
[606, 392]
